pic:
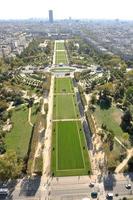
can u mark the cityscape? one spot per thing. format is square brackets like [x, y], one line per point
[66, 108]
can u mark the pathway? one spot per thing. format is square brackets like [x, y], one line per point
[63, 93]
[120, 143]
[54, 53]
[62, 120]
[120, 167]
[45, 100]
[47, 144]
[97, 155]
[29, 117]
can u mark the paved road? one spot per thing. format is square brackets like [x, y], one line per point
[72, 191]
[115, 184]
[71, 188]
[119, 188]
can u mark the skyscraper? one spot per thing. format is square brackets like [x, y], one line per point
[51, 16]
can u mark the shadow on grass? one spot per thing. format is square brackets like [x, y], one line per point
[104, 105]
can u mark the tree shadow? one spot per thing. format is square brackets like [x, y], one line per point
[29, 186]
[109, 181]
[129, 174]
[104, 105]
[11, 187]
[80, 105]
[87, 135]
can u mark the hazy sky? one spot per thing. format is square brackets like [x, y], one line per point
[108, 9]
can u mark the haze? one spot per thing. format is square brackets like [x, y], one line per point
[85, 9]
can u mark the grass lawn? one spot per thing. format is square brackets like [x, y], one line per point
[61, 57]
[60, 46]
[110, 118]
[34, 110]
[69, 150]
[63, 85]
[62, 69]
[19, 136]
[65, 107]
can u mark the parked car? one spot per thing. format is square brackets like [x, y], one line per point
[91, 184]
[4, 191]
[128, 186]
[94, 195]
[110, 196]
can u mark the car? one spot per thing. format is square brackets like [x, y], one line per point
[91, 184]
[128, 186]
[4, 191]
[94, 194]
[110, 196]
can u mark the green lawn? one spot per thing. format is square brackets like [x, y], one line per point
[62, 69]
[69, 150]
[65, 107]
[63, 85]
[61, 57]
[60, 46]
[34, 111]
[110, 118]
[19, 136]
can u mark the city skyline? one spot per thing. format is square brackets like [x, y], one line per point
[64, 9]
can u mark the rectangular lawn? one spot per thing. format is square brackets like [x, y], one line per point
[69, 150]
[61, 57]
[63, 85]
[60, 46]
[65, 107]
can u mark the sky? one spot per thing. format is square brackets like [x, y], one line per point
[63, 9]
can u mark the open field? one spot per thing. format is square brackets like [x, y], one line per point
[63, 85]
[107, 117]
[19, 136]
[61, 57]
[69, 150]
[60, 46]
[65, 107]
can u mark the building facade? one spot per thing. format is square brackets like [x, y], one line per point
[51, 16]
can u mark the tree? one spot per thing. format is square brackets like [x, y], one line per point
[3, 105]
[104, 99]
[110, 139]
[93, 99]
[125, 137]
[10, 166]
[126, 120]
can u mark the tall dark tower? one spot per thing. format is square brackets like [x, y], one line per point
[51, 16]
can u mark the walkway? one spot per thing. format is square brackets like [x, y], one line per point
[54, 53]
[29, 117]
[62, 120]
[47, 144]
[97, 155]
[120, 143]
[121, 166]
[63, 93]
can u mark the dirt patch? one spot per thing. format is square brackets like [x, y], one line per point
[7, 127]
[117, 114]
